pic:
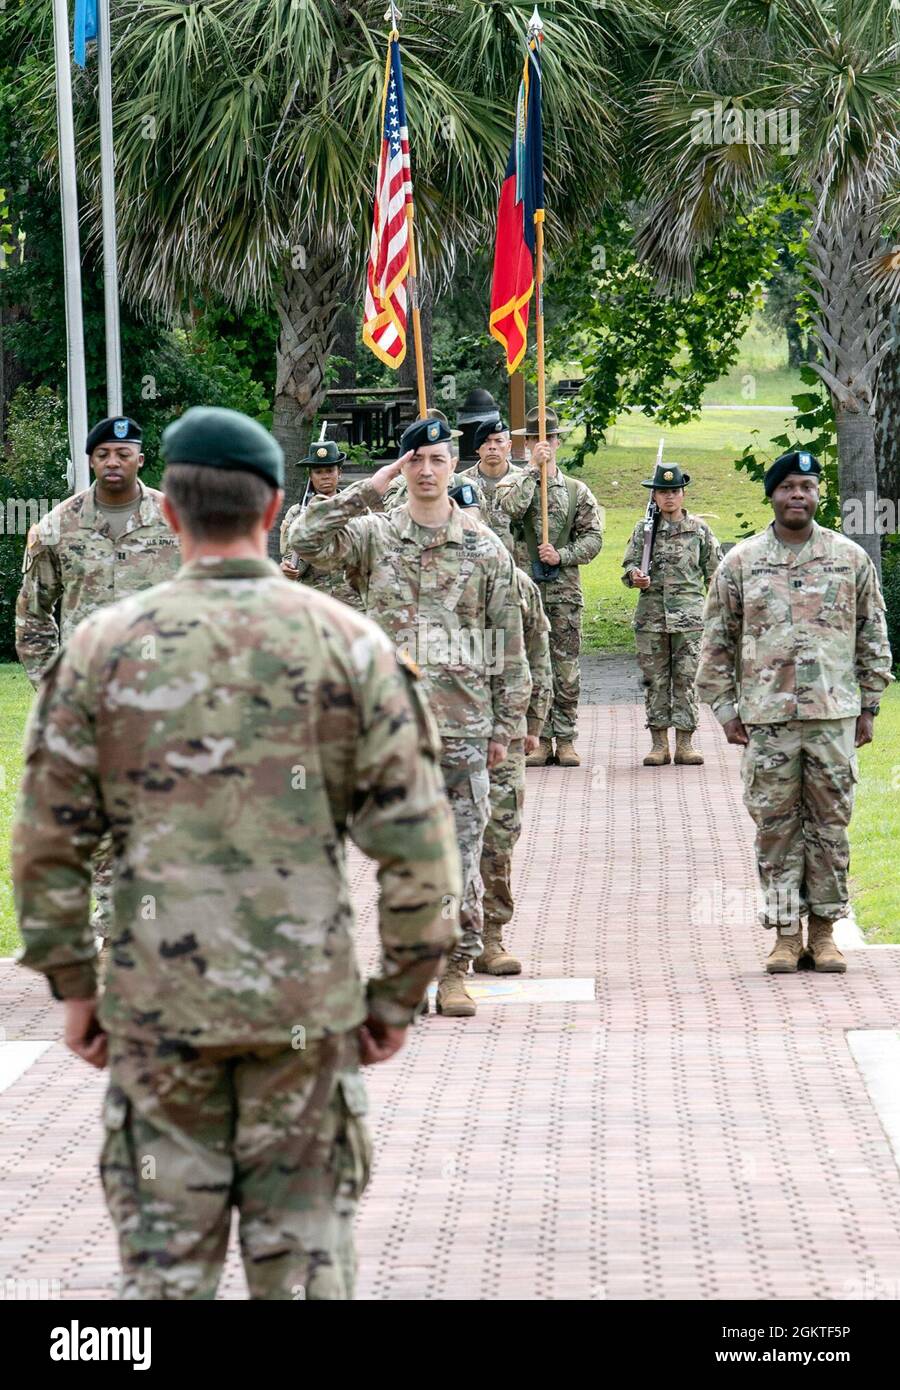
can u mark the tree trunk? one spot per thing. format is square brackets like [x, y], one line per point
[345, 346]
[309, 302]
[406, 372]
[851, 335]
[887, 426]
[794, 342]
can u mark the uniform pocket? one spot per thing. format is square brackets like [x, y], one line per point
[481, 785]
[117, 1165]
[354, 1144]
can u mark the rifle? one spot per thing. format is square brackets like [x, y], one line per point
[651, 522]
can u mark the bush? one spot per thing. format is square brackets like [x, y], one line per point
[34, 468]
[890, 580]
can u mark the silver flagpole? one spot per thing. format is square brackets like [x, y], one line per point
[108, 187]
[75, 378]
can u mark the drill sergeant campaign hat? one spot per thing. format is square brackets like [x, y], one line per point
[667, 475]
[495, 426]
[533, 425]
[212, 437]
[324, 453]
[797, 461]
[117, 429]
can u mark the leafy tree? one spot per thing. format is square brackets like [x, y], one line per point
[808, 91]
[246, 138]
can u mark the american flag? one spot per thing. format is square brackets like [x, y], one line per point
[384, 320]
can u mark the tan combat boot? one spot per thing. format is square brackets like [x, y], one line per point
[659, 753]
[684, 753]
[785, 955]
[825, 954]
[565, 753]
[494, 960]
[541, 755]
[453, 1000]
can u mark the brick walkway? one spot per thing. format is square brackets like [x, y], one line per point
[696, 1129]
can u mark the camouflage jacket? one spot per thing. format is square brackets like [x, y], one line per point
[71, 561]
[396, 492]
[793, 636]
[536, 628]
[331, 582]
[443, 595]
[230, 731]
[492, 515]
[684, 560]
[520, 494]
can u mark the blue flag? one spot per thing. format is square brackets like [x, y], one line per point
[85, 28]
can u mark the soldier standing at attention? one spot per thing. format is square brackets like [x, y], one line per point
[324, 462]
[508, 788]
[492, 444]
[668, 620]
[235, 729]
[576, 535]
[100, 545]
[794, 659]
[438, 581]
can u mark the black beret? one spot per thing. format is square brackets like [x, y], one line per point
[798, 461]
[495, 426]
[217, 438]
[422, 432]
[117, 428]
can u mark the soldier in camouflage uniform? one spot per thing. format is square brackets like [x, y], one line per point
[576, 535]
[234, 729]
[324, 463]
[397, 492]
[440, 584]
[508, 788]
[492, 444]
[98, 546]
[668, 620]
[794, 658]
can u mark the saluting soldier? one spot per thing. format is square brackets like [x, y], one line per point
[235, 729]
[492, 443]
[668, 620]
[397, 492]
[794, 659]
[438, 582]
[324, 463]
[98, 546]
[576, 535]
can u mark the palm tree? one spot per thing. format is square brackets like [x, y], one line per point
[711, 139]
[246, 139]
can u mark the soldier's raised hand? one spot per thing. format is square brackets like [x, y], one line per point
[382, 480]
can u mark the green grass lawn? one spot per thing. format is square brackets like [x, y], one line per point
[15, 700]
[875, 828]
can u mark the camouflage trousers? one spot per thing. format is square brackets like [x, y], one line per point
[565, 648]
[101, 887]
[799, 781]
[276, 1133]
[668, 662]
[502, 833]
[464, 765]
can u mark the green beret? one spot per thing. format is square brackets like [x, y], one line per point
[798, 461]
[212, 437]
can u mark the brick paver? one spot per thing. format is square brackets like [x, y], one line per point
[698, 1130]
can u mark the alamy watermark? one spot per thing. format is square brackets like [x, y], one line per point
[746, 126]
[21, 513]
[474, 648]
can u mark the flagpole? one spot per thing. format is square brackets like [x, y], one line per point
[76, 387]
[416, 315]
[535, 31]
[108, 188]
[394, 16]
